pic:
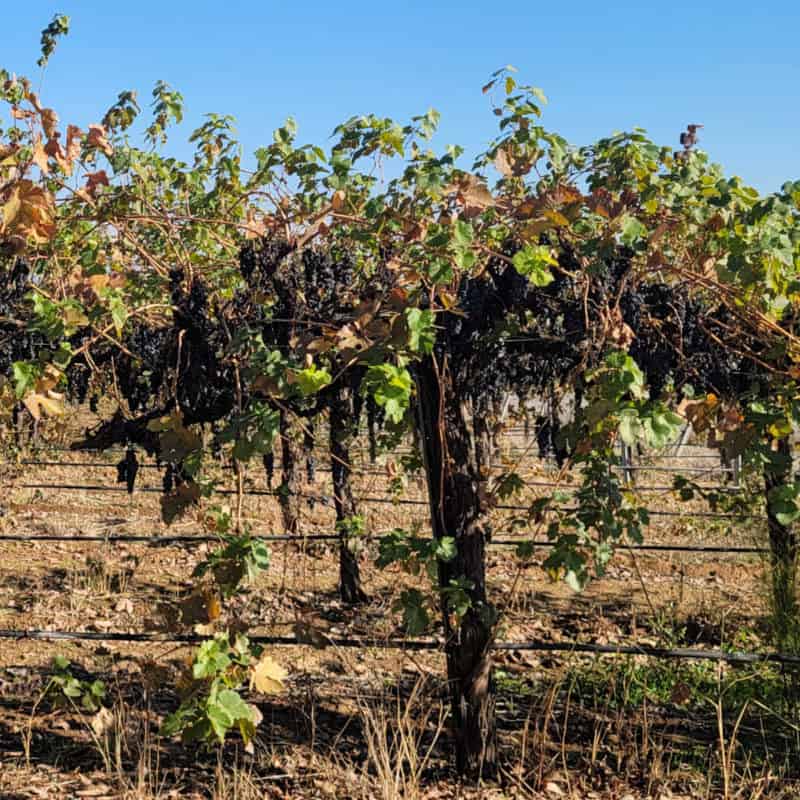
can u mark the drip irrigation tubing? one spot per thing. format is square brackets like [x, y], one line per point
[354, 470]
[330, 537]
[422, 644]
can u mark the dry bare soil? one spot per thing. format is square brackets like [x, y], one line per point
[371, 722]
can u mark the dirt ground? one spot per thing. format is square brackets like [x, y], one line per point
[570, 726]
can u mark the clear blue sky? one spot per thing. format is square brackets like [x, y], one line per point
[732, 66]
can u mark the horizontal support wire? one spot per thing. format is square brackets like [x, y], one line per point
[110, 464]
[359, 471]
[154, 541]
[422, 644]
[399, 501]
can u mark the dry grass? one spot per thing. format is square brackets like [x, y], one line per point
[368, 725]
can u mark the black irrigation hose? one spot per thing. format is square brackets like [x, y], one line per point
[678, 470]
[109, 464]
[401, 501]
[162, 540]
[201, 539]
[418, 644]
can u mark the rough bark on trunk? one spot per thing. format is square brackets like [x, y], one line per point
[484, 444]
[308, 447]
[783, 547]
[343, 429]
[444, 420]
[372, 428]
[292, 460]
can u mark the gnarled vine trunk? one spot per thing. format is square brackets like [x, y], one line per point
[783, 551]
[343, 427]
[292, 463]
[445, 422]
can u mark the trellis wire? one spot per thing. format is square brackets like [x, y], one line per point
[360, 471]
[681, 653]
[203, 539]
[403, 501]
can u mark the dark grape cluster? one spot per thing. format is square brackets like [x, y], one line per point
[181, 366]
[288, 298]
[514, 337]
[17, 341]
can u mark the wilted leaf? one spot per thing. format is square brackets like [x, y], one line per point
[202, 606]
[473, 194]
[51, 403]
[102, 722]
[11, 207]
[268, 676]
[40, 157]
[74, 136]
[49, 122]
[337, 201]
[97, 138]
[95, 179]
[29, 213]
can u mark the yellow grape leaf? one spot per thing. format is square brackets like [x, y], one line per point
[97, 283]
[51, 403]
[268, 676]
[557, 218]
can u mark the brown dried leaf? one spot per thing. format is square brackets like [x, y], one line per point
[51, 403]
[49, 122]
[255, 224]
[472, 193]
[11, 207]
[54, 149]
[200, 607]
[97, 138]
[74, 137]
[502, 163]
[33, 99]
[177, 502]
[102, 722]
[40, 156]
[35, 220]
[8, 154]
[338, 200]
[95, 179]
